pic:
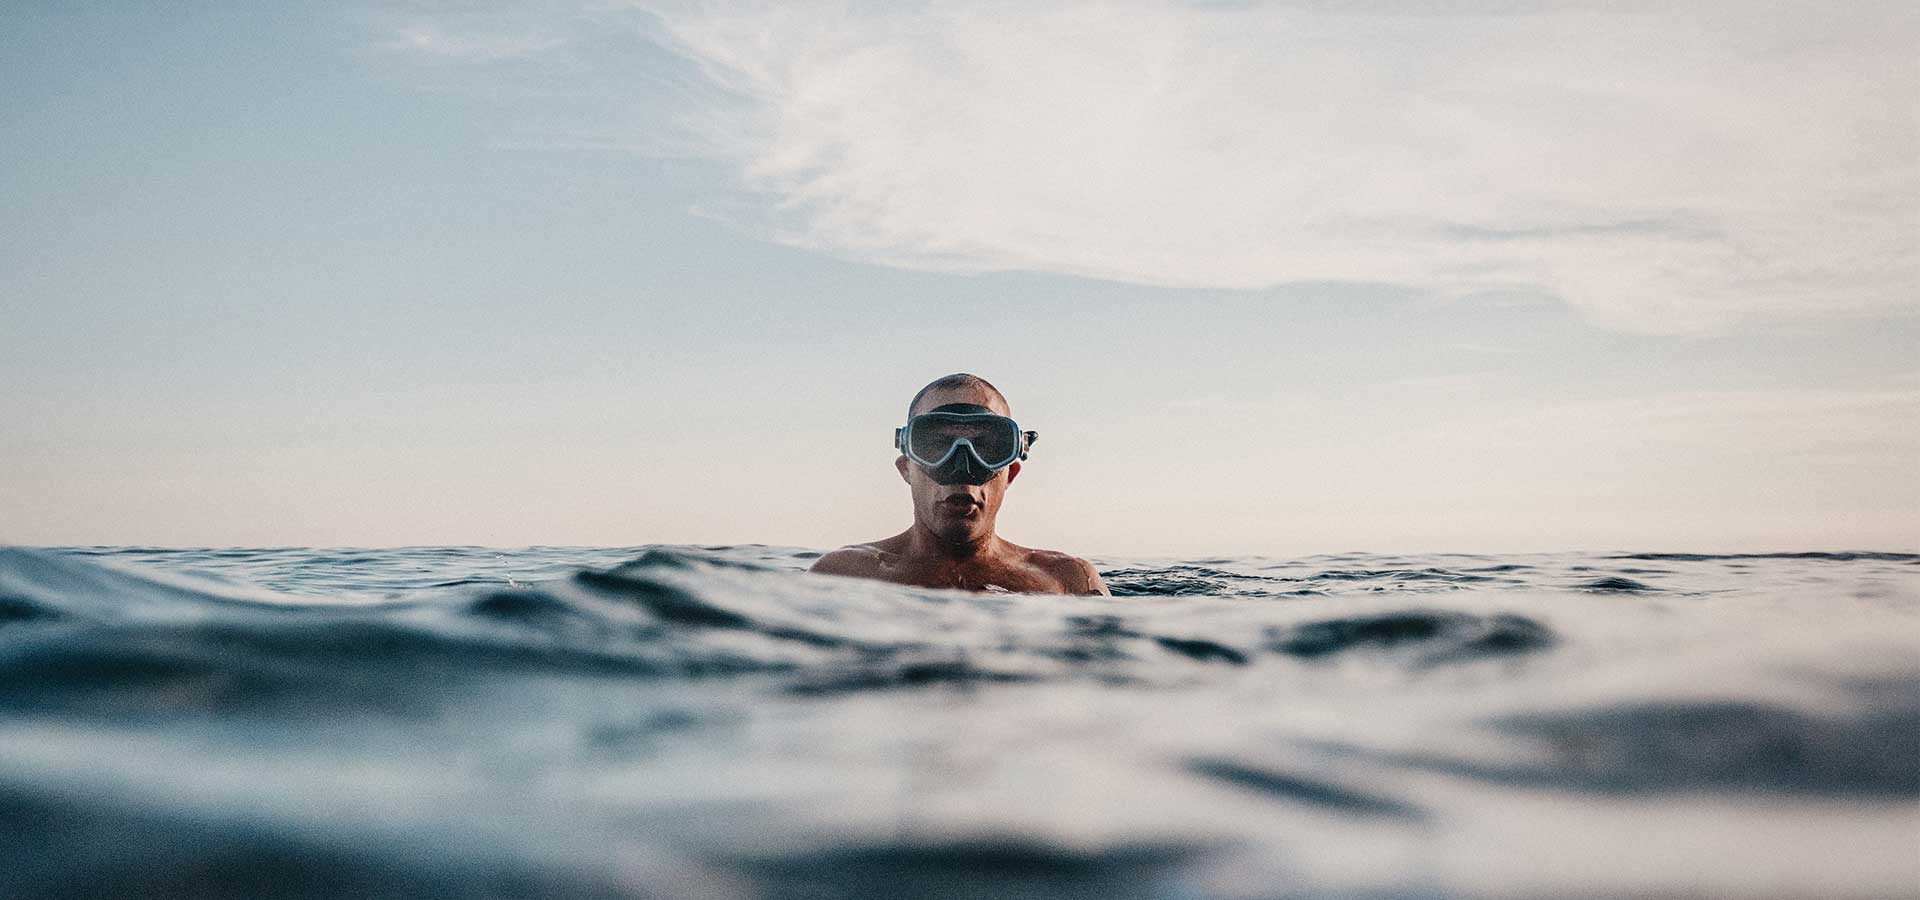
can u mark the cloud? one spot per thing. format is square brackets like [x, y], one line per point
[1662, 167]
[432, 41]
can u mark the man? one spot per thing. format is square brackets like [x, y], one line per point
[959, 451]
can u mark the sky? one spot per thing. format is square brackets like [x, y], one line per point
[1269, 278]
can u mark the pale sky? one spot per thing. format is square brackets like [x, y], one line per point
[1275, 278]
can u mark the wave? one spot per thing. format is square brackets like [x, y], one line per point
[663, 614]
[1616, 585]
[647, 722]
[1844, 556]
[1724, 746]
[1431, 636]
[1194, 579]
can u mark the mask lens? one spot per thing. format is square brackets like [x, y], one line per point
[995, 438]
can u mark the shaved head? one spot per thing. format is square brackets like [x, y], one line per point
[975, 388]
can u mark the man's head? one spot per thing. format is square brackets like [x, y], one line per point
[956, 513]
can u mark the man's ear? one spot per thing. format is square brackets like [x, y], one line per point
[901, 463]
[1013, 471]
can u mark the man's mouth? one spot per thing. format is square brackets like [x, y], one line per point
[959, 502]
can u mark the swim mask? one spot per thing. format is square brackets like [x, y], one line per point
[963, 443]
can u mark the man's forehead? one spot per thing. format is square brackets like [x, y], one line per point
[972, 394]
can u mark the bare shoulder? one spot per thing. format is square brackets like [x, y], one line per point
[859, 560]
[1076, 575]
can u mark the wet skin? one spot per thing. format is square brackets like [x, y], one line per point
[952, 543]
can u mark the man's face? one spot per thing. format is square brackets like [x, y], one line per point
[957, 513]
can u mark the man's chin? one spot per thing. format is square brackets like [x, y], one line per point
[958, 531]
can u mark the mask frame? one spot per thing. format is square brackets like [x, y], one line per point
[902, 441]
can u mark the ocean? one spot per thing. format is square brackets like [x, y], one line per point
[712, 722]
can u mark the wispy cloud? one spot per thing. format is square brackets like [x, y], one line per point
[432, 41]
[1663, 167]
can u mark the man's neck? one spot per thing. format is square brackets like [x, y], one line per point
[926, 543]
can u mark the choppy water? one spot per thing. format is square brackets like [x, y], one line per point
[713, 723]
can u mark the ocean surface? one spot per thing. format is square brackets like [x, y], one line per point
[711, 722]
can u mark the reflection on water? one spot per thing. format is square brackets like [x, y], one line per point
[711, 722]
